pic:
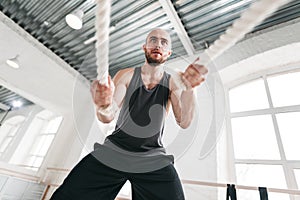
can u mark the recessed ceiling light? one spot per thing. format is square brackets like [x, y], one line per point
[13, 62]
[74, 19]
[17, 104]
[46, 23]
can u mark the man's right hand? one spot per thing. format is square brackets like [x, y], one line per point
[102, 94]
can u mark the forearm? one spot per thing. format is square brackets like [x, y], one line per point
[183, 102]
[108, 99]
[187, 101]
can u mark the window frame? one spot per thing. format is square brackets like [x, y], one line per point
[39, 135]
[288, 165]
[14, 127]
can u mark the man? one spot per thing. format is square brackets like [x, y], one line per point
[134, 150]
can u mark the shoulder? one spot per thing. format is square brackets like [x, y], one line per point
[123, 76]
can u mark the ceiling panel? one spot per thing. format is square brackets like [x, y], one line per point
[206, 20]
[7, 97]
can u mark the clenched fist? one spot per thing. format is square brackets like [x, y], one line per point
[102, 94]
[194, 75]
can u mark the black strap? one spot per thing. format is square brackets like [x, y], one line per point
[263, 193]
[231, 192]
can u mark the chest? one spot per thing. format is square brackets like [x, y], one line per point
[150, 82]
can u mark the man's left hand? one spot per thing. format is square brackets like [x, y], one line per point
[194, 75]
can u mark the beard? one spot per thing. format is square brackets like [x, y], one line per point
[153, 61]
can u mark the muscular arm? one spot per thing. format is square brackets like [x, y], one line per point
[183, 105]
[183, 102]
[119, 85]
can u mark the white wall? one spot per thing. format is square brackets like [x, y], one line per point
[49, 82]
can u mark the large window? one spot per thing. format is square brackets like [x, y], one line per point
[8, 132]
[264, 122]
[46, 125]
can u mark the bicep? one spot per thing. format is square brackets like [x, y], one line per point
[120, 91]
[121, 81]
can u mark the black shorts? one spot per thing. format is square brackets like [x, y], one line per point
[92, 180]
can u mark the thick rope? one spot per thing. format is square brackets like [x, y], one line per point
[102, 43]
[250, 18]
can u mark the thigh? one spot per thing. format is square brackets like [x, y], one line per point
[92, 180]
[162, 184]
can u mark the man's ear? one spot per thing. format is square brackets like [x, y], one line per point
[170, 53]
[144, 47]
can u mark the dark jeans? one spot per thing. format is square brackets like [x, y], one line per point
[92, 180]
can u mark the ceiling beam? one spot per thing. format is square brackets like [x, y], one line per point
[178, 26]
[4, 107]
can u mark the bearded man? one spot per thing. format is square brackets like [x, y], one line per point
[134, 151]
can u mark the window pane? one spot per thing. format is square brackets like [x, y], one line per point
[249, 96]
[5, 144]
[16, 120]
[45, 114]
[254, 138]
[260, 175]
[37, 145]
[33, 162]
[13, 130]
[5, 128]
[289, 128]
[29, 161]
[42, 129]
[53, 125]
[36, 125]
[297, 175]
[283, 89]
[46, 145]
[37, 162]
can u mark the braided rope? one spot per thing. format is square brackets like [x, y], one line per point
[252, 17]
[102, 23]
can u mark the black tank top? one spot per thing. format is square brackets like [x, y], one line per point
[140, 124]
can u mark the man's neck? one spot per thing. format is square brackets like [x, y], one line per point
[153, 71]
